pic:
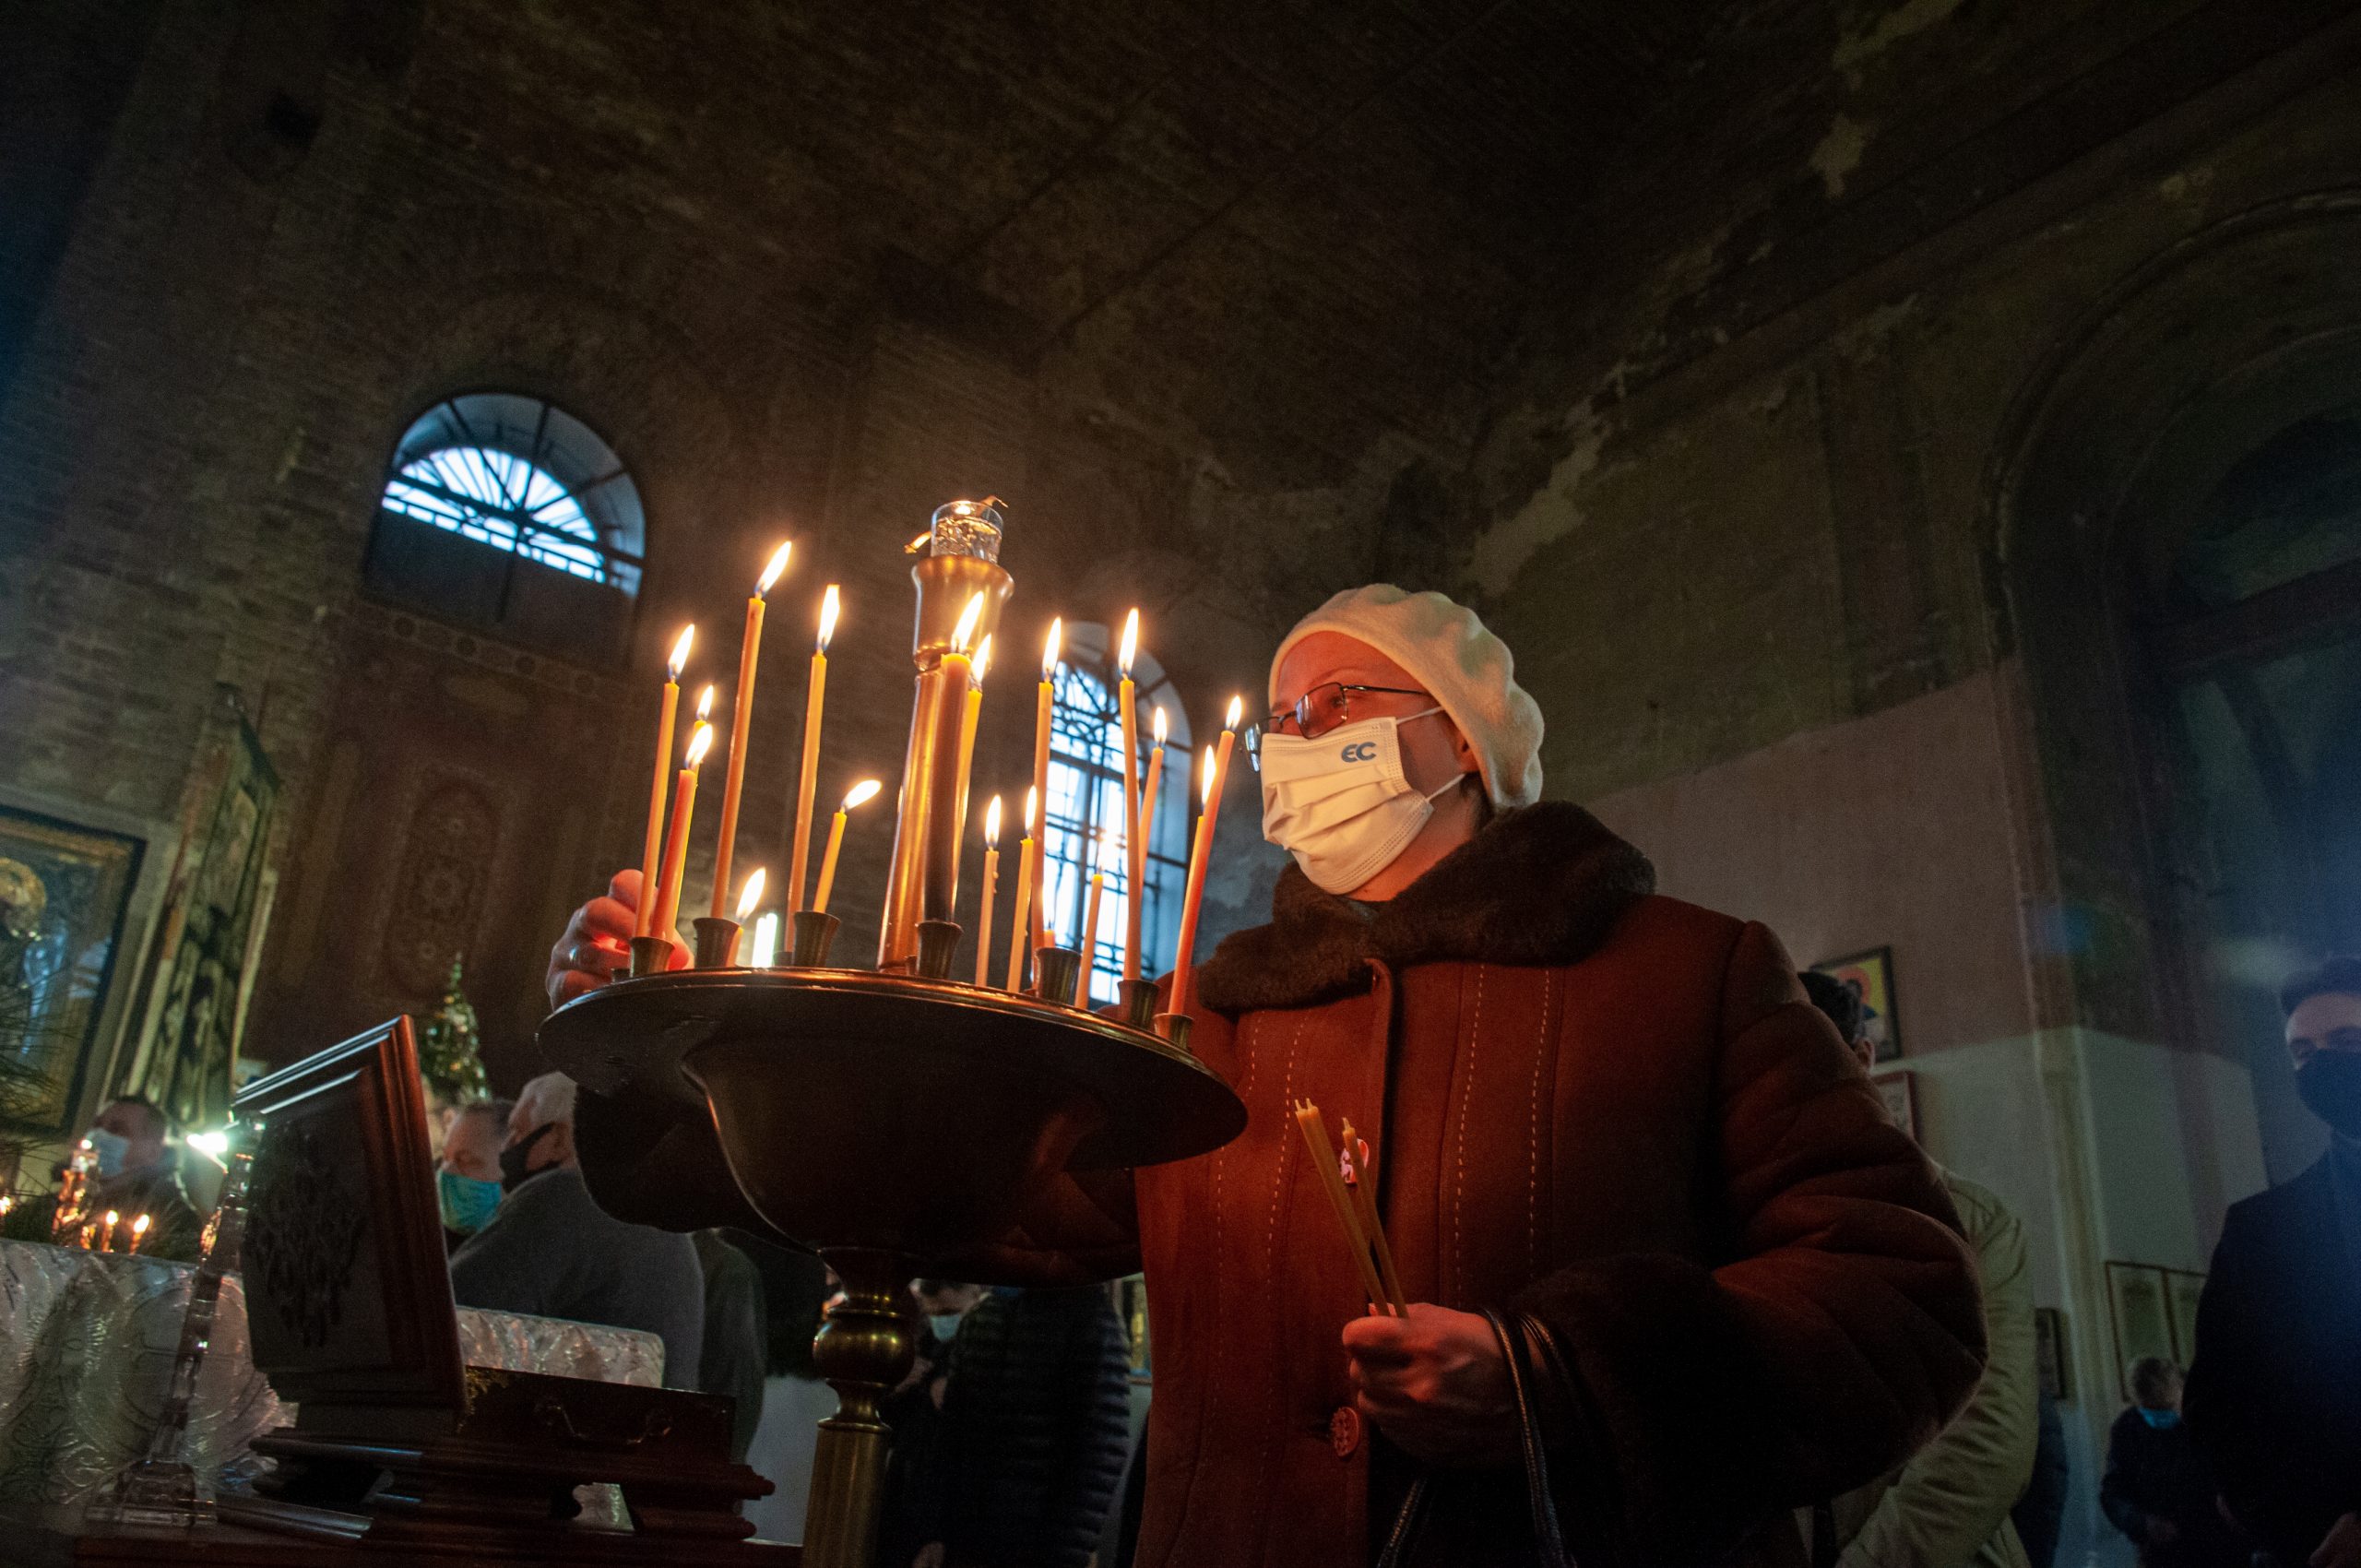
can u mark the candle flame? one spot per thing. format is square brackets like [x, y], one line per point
[1131, 644]
[991, 824]
[964, 637]
[1106, 850]
[1032, 805]
[705, 701]
[771, 572]
[752, 894]
[1205, 788]
[1158, 726]
[680, 659]
[139, 1225]
[1237, 711]
[862, 793]
[113, 1219]
[829, 605]
[983, 659]
[700, 742]
[1050, 649]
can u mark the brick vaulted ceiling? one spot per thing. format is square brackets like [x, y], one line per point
[1338, 219]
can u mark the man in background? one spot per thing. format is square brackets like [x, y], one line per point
[2274, 1397]
[2157, 1489]
[552, 1251]
[139, 1173]
[467, 1169]
[1949, 1504]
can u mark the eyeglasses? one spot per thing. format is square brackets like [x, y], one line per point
[1326, 705]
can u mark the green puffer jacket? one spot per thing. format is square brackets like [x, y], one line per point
[1949, 1505]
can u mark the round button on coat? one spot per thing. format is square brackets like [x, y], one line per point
[1345, 1431]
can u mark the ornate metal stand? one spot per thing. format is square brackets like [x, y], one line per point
[885, 1121]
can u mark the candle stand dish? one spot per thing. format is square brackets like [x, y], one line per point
[887, 1122]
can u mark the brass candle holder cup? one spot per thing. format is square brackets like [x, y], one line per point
[651, 956]
[717, 942]
[938, 945]
[1174, 1027]
[1055, 969]
[889, 1124]
[1139, 1003]
[812, 932]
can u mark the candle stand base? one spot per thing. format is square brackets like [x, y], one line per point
[1054, 971]
[651, 956]
[1139, 1003]
[889, 1124]
[717, 942]
[1174, 1027]
[938, 943]
[813, 934]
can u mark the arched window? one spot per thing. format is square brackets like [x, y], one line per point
[1087, 796]
[508, 512]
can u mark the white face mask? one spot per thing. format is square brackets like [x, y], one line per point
[1340, 805]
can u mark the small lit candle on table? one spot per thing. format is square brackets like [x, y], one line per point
[106, 1237]
[741, 717]
[1022, 924]
[815, 698]
[1127, 704]
[856, 797]
[651, 864]
[1090, 914]
[676, 842]
[1216, 769]
[991, 884]
[139, 1231]
[1044, 705]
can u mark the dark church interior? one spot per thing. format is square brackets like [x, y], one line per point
[1784, 579]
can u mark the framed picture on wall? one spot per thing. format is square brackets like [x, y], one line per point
[1870, 976]
[2182, 1289]
[63, 890]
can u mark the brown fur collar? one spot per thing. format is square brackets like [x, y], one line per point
[1540, 884]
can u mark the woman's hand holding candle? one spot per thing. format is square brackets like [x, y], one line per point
[1434, 1383]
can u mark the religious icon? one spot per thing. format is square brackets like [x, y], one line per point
[1870, 976]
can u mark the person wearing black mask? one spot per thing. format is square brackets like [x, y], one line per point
[549, 1251]
[2274, 1397]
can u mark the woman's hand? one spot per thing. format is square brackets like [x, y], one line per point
[1435, 1383]
[596, 943]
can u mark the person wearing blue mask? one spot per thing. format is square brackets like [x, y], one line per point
[467, 1176]
[2157, 1489]
[138, 1172]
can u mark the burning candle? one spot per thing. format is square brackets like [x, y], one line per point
[968, 716]
[650, 866]
[1216, 769]
[859, 795]
[139, 1231]
[991, 884]
[106, 1237]
[1134, 862]
[1044, 707]
[741, 715]
[1158, 728]
[753, 894]
[814, 699]
[766, 940]
[1090, 912]
[676, 843]
[1022, 922]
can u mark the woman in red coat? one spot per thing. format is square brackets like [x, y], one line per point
[1611, 1111]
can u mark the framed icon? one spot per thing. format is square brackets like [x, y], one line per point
[1870, 976]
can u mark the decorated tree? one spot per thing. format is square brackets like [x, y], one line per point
[450, 1050]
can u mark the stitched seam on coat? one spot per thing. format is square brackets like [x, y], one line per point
[1459, 1184]
[1196, 1465]
[1533, 1135]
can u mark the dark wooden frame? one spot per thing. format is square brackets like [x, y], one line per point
[376, 1075]
[1882, 957]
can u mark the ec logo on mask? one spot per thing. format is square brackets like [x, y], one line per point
[1359, 751]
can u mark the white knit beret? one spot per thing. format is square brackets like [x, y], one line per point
[1470, 671]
